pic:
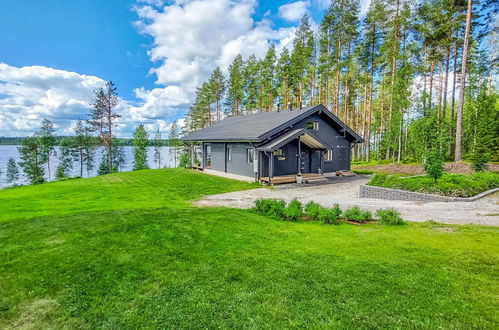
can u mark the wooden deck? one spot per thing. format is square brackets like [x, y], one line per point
[289, 178]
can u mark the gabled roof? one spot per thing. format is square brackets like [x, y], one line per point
[259, 126]
[307, 137]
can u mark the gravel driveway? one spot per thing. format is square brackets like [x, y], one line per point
[484, 211]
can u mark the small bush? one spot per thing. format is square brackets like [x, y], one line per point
[312, 210]
[389, 217]
[479, 161]
[434, 165]
[270, 207]
[356, 214]
[294, 210]
[329, 216]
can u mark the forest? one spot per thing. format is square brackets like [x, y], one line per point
[416, 79]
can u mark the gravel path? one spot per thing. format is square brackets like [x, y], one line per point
[484, 211]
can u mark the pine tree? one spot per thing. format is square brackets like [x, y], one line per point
[235, 92]
[47, 142]
[118, 159]
[267, 92]
[84, 146]
[12, 171]
[283, 73]
[103, 118]
[301, 58]
[250, 83]
[217, 86]
[30, 153]
[140, 141]
[66, 154]
[174, 141]
[158, 144]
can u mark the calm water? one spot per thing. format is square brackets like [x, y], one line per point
[7, 152]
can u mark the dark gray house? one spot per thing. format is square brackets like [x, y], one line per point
[266, 145]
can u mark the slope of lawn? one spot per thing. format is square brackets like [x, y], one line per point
[135, 254]
[118, 191]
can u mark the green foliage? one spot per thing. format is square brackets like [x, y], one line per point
[84, 147]
[294, 210]
[31, 160]
[118, 159]
[434, 165]
[356, 214]
[12, 171]
[479, 160]
[140, 141]
[389, 217]
[312, 210]
[46, 142]
[329, 215]
[66, 153]
[271, 207]
[158, 144]
[453, 185]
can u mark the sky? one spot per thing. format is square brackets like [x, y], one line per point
[55, 53]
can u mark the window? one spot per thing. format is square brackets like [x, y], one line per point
[208, 155]
[280, 154]
[328, 155]
[313, 125]
[229, 154]
[250, 155]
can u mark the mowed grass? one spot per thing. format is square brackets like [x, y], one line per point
[119, 191]
[141, 259]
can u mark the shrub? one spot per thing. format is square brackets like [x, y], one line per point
[389, 217]
[479, 161]
[270, 207]
[312, 210]
[293, 211]
[329, 216]
[434, 165]
[356, 214]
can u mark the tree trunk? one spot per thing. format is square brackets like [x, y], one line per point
[446, 82]
[453, 99]
[457, 155]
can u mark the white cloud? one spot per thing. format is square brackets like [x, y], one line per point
[190, 38]
[31, 93]
[293, 11]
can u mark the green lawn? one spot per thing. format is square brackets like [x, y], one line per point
[129, 251]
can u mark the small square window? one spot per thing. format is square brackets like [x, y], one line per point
[250, 155]
[313, 125]
[328, 155]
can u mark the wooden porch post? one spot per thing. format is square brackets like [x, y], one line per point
[299, 155]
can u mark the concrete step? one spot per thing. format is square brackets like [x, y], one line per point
[316, 180]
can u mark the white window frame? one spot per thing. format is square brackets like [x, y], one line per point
[250, 155]
[329, 155]
[315, 125]
[229, 154]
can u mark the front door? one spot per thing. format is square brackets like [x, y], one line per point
[305, 162]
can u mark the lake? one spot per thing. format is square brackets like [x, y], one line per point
[7, 152]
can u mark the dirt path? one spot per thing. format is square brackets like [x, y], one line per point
[484, 211]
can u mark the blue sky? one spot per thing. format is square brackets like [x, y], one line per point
[54, 52]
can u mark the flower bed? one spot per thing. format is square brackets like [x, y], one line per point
[451, 185]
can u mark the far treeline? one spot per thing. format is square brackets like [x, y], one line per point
[417, 79]
[35, 152]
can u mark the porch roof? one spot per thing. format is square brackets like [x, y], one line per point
[307, 137]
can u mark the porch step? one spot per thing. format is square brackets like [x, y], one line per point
[317, 180]
[345, 173]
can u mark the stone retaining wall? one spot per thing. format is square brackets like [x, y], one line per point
[403, 195]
